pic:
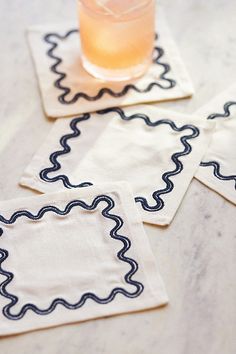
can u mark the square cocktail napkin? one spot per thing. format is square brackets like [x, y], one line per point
[156, 151]
[73, 256]
[68, 90]
[218, 167]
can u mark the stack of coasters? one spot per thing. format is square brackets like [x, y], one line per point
[68, 90]
[156, 151]
[73, 256]
[218, 167]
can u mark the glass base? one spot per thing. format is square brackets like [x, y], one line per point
[115, 74]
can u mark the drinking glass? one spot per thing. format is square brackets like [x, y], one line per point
[117, 37]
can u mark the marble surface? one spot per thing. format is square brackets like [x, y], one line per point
[196, 254]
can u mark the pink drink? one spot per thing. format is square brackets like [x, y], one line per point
[117, 37]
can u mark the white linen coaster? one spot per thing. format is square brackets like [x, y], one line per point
[73, 256]
[156, 151]
[218, 167]
[68, 90]
[158, 146]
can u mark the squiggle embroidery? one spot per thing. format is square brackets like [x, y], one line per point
[65, 150]
[166, 176]
[215, 164]
[217, 173]
[175, 157]
[226, 113]
[139, 287]
[158, 54]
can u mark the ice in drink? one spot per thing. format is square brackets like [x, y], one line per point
[117, 36]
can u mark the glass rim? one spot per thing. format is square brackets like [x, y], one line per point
[97, 12]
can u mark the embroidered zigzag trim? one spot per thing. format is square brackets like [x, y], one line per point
[215, 164]
[139, 287]
[158, 54]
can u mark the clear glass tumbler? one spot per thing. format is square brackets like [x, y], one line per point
[117, 37]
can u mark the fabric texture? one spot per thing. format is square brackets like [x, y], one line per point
[68, 90]
[73, 256]
[218, 167]
[67, 143]
[156, 151]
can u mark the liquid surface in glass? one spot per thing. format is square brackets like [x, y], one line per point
[117, 34]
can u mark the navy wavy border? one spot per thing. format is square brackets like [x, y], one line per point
[113, 234]
[66, 90]
[217, 173]
[214, 164]
[226, 112]
[65, 150]
[165, 177]
[175, 157]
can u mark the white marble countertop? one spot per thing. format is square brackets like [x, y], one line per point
[196, 254]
